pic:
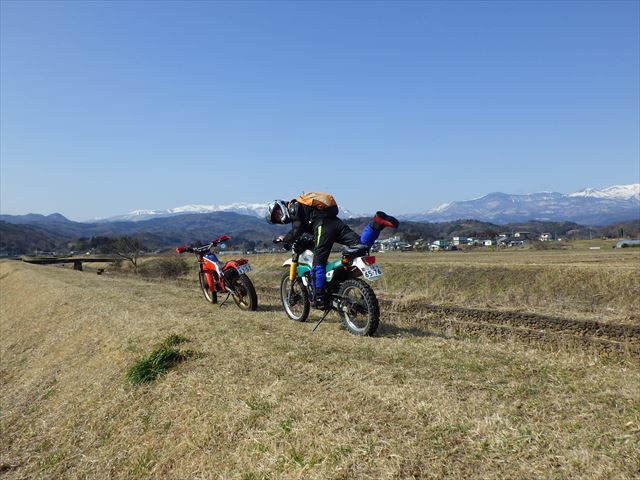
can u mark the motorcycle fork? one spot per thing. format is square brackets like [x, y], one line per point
[293, 273]
[208, 275]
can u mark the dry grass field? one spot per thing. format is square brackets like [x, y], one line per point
[259, 396]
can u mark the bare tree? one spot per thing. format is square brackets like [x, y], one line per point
[130, 248]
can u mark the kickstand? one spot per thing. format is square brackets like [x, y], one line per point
[223, 302]
[320, 321]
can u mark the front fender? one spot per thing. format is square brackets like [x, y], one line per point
[301, 268]
[304, 263]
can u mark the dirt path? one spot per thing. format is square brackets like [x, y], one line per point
[557, 331]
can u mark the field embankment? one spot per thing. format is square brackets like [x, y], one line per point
[264, 397]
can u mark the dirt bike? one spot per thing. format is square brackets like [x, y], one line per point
[230, 278]
[353, 298]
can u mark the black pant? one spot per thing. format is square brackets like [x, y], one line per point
[326, 232]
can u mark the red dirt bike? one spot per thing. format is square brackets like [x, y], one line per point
[230, 278]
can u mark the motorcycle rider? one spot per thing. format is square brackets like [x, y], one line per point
[316, 213]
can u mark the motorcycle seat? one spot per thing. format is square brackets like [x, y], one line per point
[355, 251]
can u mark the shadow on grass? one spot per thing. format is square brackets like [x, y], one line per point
[270, 308]
[391, 330]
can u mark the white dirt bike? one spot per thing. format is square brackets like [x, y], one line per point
[350, 296]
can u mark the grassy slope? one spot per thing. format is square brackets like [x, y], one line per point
[266, 398]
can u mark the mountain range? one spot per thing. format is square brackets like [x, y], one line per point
[252, 209]
[589, 207]
[245, 221]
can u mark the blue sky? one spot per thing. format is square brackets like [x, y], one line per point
[107, 107]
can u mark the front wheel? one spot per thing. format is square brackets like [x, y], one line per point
[211, 297]
[294, 300]
[244, 292]
[358, 307]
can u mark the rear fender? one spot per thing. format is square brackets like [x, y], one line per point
[359, 266]
[358, 263]
[234, 264]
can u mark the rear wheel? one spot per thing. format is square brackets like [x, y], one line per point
[244, 292]
[359, 307]
[211, 297]
[294, 300]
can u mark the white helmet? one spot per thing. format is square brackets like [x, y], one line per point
[278, 212]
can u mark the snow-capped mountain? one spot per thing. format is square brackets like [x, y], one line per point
[589, 207]
[251, 209]
[190, 223]
[623, 192]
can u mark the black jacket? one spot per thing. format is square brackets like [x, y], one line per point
[305, 218]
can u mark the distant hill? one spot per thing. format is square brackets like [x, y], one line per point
[21, 239]
[411, 231]
[55, 234]
[585, 213]
[24, 233]
[587, 207]
[34, 218]
[257, 210]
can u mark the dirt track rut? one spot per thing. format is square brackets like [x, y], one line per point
[561, 332]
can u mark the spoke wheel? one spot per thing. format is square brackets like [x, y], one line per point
[359, 308]
[295, 300]
[244, 292]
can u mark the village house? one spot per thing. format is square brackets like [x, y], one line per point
[439, 245]
[392, 243]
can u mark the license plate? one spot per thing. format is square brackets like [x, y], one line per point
[243, 268]
[371, 271]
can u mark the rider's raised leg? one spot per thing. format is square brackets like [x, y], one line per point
[372, 231]
[369, 235]
[383, 220]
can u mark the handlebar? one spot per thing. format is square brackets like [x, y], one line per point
[300, 245]
[203, 248]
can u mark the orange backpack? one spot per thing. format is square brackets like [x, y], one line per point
[317, 200]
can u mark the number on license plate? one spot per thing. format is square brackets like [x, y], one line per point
[371, 271]
[243, 268]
